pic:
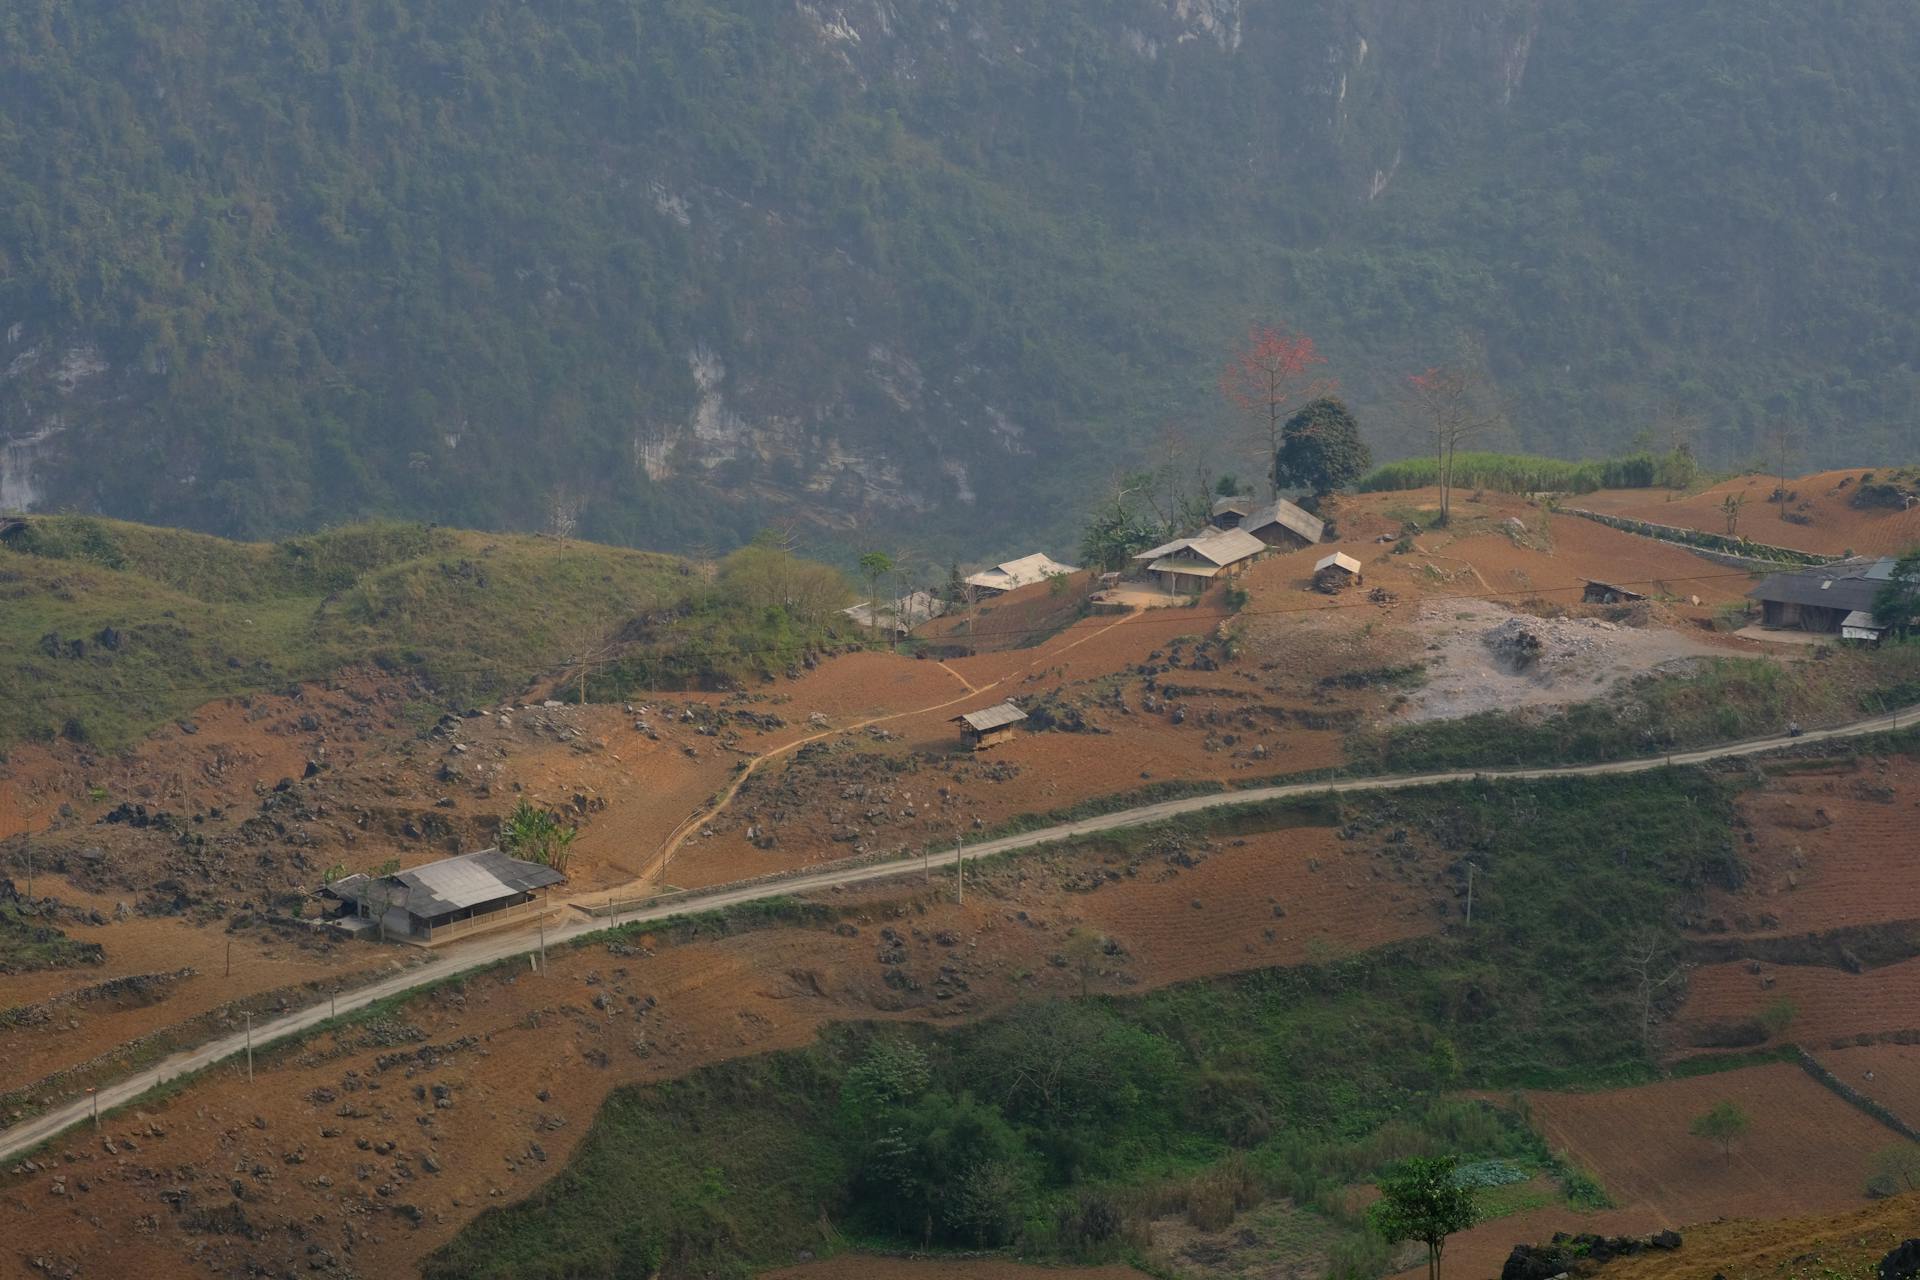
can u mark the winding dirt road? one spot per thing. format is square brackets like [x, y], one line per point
[483, 951]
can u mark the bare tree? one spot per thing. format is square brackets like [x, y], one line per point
[564, 506]
[1647, 959]
[1780, 445]
[1450, 402]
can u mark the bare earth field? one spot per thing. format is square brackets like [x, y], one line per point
[1833, 524]
[225, 816]
[1807, 1152]
[525, 1059]
[1887, 1073]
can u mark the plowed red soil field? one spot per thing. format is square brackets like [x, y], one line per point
[1832, 848]
[1480, 1251]
[1887, 1073]
[1833, 524]
[859, 1266]
[1829, 1005]
[1807, 1151]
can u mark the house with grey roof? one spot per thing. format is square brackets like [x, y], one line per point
[1283, 524]
[1193, 563]
[1014, 574]
[446, 899]
[1822, 597]
[989, 725]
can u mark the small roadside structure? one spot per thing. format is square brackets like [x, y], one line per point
[1821, 598]
[1859, 626]
[1014, 574]
[1282, 524]
[1335, 573]
[446, 899]
[1229, 512]
[1190, 564]
[901, 615]
[989, 726]
[1607, 593]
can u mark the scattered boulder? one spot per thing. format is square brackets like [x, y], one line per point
[1903, 1262]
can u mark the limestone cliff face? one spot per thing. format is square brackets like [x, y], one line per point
[910, 267]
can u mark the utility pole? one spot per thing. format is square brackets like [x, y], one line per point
[93, 1096]
[333, 1003]
[229, 957]
[543, 944]
[960, 870]
[926, 861]
[249, 1048]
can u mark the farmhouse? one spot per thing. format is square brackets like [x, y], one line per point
[1336, 572]
[1819, 599]
[1189, 564]
[1014, 574]
[901, 615]
[989, 726]
[1282, 524]
[444, 899]
[1229, 512]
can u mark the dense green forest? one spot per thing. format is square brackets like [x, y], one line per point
[677, 267]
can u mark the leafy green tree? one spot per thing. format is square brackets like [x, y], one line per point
[1321, 449]
[874, 567]
[1423, 1200]
[1723, 1124]
[538, 836]
[1896, 1171]
[892, 1073]
[922, 1174]
[1898, 603]
[1114, 534]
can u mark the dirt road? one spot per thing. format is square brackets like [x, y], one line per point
[488, 950]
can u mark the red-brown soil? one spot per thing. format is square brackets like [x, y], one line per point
[1887, 1073]
[299, 1162]
[1830, 1006]
[1480, 1250]
[861, 1266]
[1832, 847]
[1807, 1151]
[1833, 525]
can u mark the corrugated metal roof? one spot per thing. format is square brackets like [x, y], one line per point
[1167, 564]
[1023, 572]
[451, 884]
[1303, 524]
[992, 717]
[1237, 505]
[1220, 546]
[1848, 586]
[1338, 560]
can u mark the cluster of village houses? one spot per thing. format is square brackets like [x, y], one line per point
[456, 896]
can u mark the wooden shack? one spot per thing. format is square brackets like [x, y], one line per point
[989, 726]
[1335, 573]
[1607, 593]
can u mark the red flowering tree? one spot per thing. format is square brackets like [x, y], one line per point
[1265, 380]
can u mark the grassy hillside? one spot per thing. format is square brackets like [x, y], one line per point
[1286, 1083]
[265, 267]
[109, 628]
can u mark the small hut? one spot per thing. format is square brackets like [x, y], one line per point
[1335, 573]
[989, 726]
[1607, 593]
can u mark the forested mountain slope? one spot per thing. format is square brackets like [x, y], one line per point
[685, 264]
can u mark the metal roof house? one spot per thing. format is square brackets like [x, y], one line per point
[902, 615]
[1015, 574]
[1820, 599]
[1189, 564]
[1280, 523]
[989, 725]
[445, 899]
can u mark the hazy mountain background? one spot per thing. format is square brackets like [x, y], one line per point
[921, 270]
